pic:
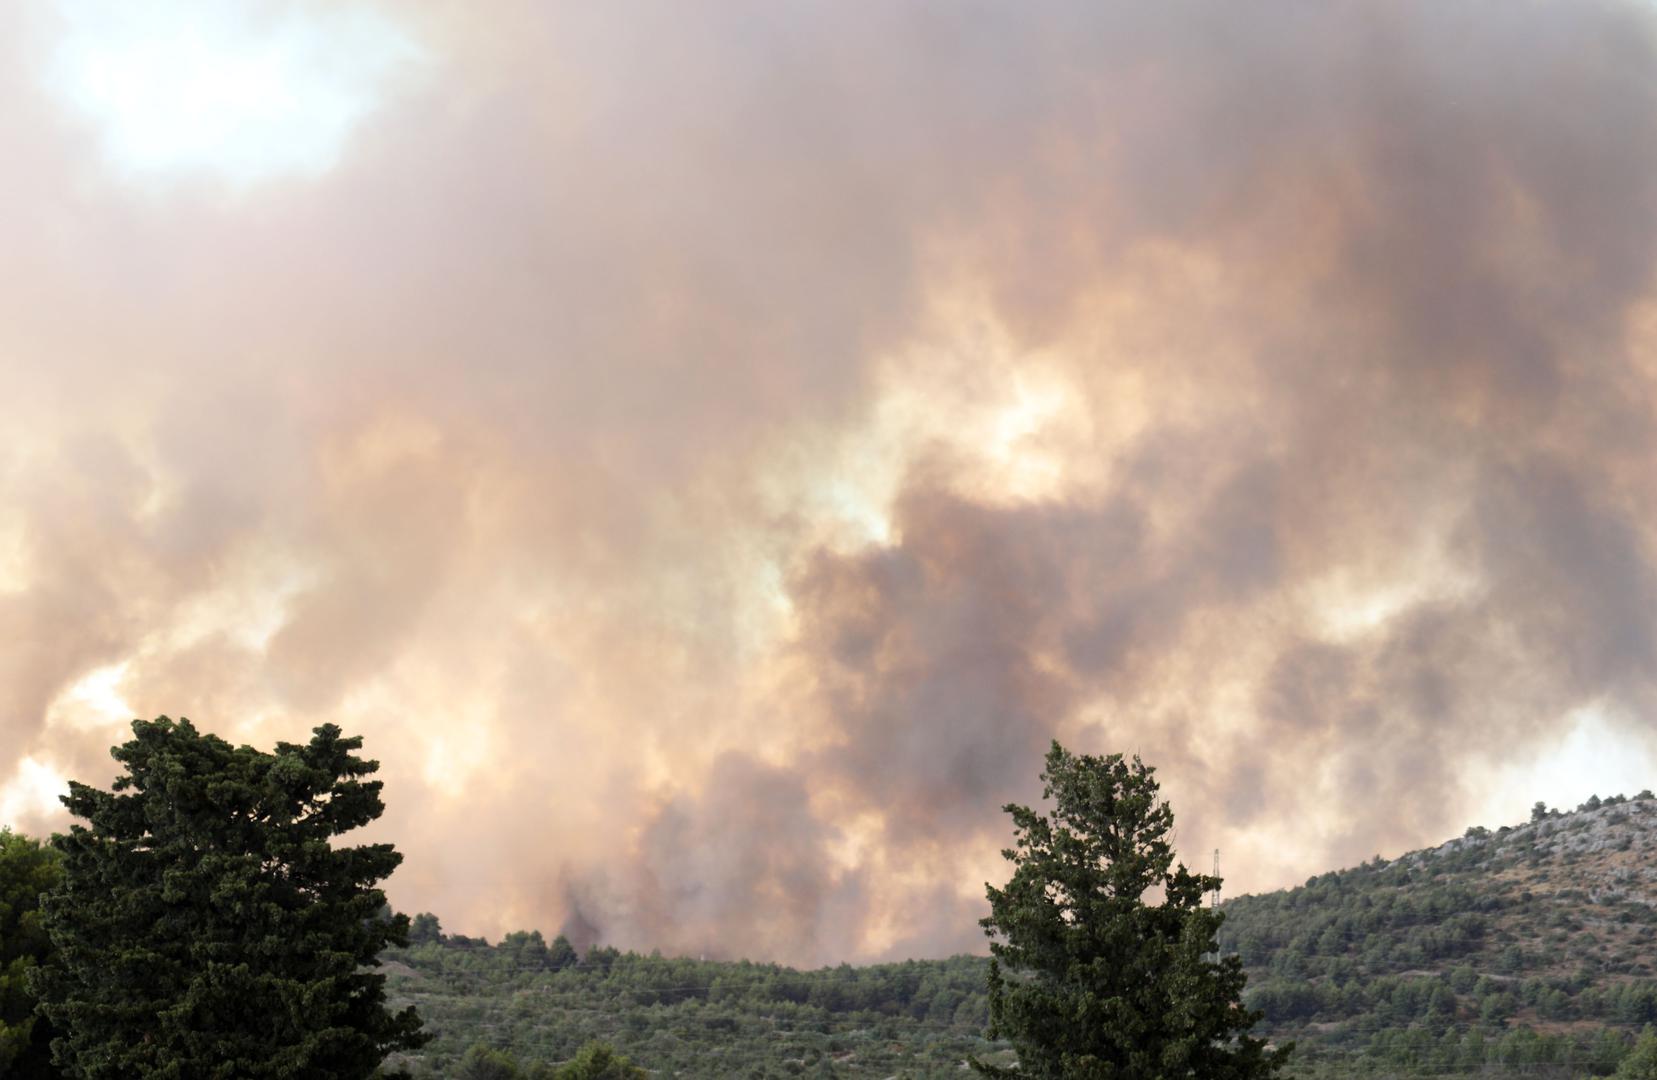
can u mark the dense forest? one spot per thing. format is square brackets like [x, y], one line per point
[1522, 951]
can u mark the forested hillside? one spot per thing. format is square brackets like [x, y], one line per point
[690, 1017]
[1524, 951]
[1530, 944]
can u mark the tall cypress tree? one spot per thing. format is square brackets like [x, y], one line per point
[206, 925]
[1088, 979]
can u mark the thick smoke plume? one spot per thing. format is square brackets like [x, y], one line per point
[710, 451]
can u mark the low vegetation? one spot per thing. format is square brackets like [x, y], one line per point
[1530, 945]
[535, 1003]
[1525, 951]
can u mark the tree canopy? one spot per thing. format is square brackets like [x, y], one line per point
[27, 869]
[1641, 1064]
[1089, 979]
[207, 925]
[594, 1061]
[598, 1061]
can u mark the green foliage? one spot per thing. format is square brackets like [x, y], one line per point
[594, 1061]
[529, 950]
[678, 1015]
[206, 925]
[1641, 1064]
[599, 1061]
[1515, 953]
[27, 869]
[482, 1063]
[425, 928]
[1090, 980]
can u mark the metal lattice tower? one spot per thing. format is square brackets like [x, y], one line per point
[1214, 897]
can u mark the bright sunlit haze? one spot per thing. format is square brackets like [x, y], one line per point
[239, 92]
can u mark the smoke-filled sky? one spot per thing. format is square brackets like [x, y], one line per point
[709, 451]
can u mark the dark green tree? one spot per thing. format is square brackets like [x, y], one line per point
[526, 950]
[1087, 978]
[208, 926]
[561, 954]
[27, 869]
[483, 1063]
[425, 930]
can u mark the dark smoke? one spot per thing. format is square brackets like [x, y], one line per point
[544, 435]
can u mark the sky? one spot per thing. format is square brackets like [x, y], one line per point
[710, 452]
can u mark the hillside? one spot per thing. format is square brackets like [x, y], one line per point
[1525, 943]
[1524, 951]
[691, 1017]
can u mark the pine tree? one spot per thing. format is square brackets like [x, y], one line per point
[1089, 980]
[206, 925]
[27, 870]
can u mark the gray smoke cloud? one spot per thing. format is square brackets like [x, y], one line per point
[709, 454]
